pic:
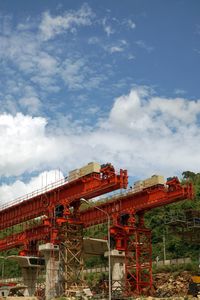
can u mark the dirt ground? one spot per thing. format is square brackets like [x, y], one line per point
[171, 285]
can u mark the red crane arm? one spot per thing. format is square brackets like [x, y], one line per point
[132, 203]
[37, 233]
[68, 193]
[123, 203]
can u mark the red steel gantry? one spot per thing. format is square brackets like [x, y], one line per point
[58, 222]
[126, 211]
[129, 231]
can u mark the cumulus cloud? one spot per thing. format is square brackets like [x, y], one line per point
[18, 189]
[160, 134]
[51, 26]
[143, 133]
[24, 144]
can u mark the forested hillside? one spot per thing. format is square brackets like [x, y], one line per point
[158, 219]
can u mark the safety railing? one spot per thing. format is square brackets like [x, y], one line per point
[35, 193]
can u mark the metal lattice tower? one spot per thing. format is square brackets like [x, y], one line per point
[71, 258]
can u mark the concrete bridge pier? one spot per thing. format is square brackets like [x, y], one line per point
[29, 267]
[117, 269]
[30, 278]
[51, 256]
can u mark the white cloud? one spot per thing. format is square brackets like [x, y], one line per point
[31, 104]
[24, 144]
[119, 46]
[40, 64]
[77, 74]
[17, 189]
[180, 92]
[142, 44]
[131, 57]
[131, 24]
[114, 49]
[107, 28]
[142, 133]
[31, 60]
[21, 97]
[93, 40]
[52, 26]
[73, 72]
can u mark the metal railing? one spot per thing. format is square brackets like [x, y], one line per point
[34, 193]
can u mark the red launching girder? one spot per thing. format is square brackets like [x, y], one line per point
[35, 234]
[133, 203]
[127, 203]
[130, 234]
[67, 194]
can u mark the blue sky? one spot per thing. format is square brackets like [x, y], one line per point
[113, 81]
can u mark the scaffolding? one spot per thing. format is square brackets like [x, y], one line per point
[138, 262]
[186, 225]
[71, 259]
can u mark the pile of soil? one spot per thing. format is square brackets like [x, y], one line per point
[168, 285]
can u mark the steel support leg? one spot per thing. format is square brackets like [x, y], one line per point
[71, 258]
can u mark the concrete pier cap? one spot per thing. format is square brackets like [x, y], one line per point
[29, 266]
[48, 247]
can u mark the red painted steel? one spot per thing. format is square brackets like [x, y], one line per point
[68, 194]
[130, 235]
[127, 203]
[133, 203]
[37, 233]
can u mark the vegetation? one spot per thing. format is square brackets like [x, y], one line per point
[156, 219]
[190, 267]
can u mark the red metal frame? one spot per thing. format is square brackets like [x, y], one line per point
[142, 201]
[138, 262]
[132, 237]
[68, 194]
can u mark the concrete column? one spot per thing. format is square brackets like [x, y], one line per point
[29, 272]
[29, 278]
[51, 256]
[117, 268]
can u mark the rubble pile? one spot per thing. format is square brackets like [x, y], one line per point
[168, 285]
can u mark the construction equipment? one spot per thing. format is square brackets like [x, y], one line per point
[61, 222]
[54, 215]
[129, 231]
[194, 286]
[187, 227]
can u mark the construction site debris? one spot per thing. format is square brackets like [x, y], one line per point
[169, 285]
[170, 298]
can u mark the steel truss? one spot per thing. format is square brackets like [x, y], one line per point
[131, 237]
[71, 258]
[186, 225]
[138, 262]
[135, 240]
